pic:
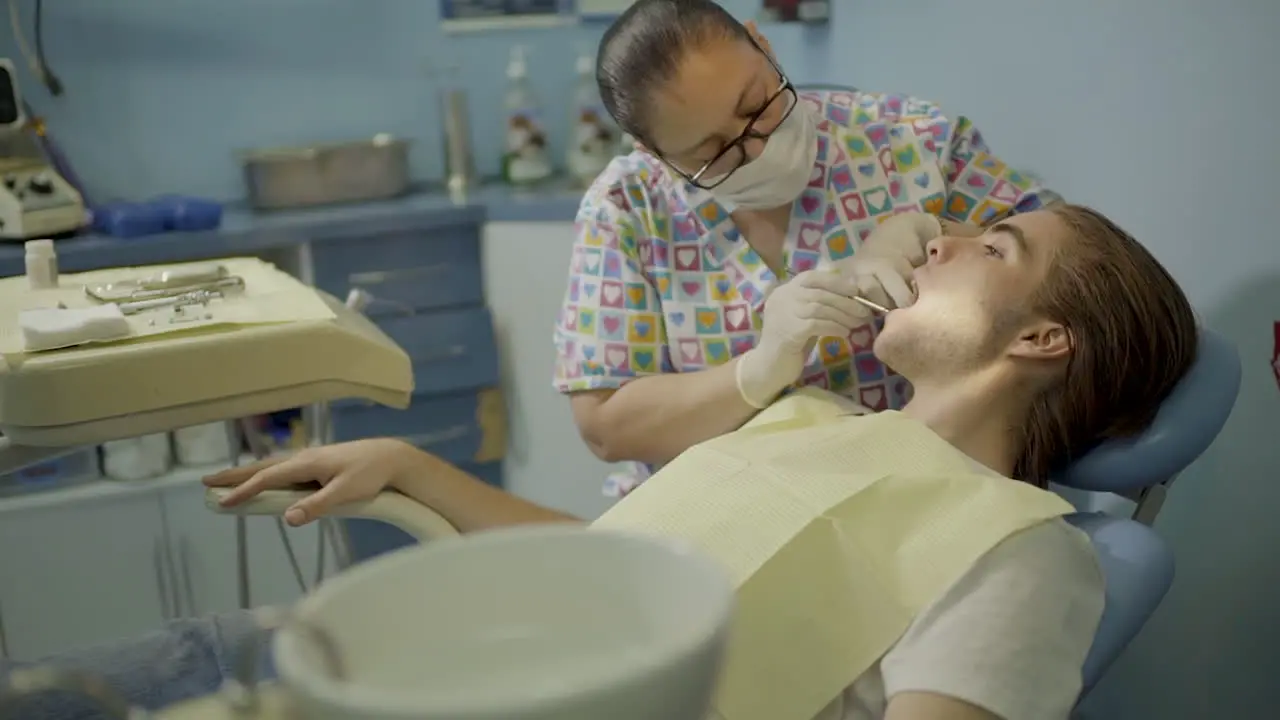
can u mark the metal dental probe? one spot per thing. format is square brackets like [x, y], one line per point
[874, 306]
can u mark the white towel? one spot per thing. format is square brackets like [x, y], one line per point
[53, 328]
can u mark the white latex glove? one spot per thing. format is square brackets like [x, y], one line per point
[884, 280]
[903, 236]
[813, 304]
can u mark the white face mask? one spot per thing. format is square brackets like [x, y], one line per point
[780, 173]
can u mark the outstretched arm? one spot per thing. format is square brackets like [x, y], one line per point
[470, 504]
[356, 471]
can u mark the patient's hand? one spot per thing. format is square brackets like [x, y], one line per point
[345, 473]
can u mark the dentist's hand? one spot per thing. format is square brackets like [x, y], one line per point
[813, 304]
[884, 280]
[347, 472]
[903, 236]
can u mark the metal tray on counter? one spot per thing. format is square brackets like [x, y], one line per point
[324, 174]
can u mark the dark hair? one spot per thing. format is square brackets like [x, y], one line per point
[1133, 337]
[644, 47]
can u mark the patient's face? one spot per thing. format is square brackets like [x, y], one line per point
[973, 295]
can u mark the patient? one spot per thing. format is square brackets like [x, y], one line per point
[1027, 345]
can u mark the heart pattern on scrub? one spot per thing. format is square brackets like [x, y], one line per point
[662, 280]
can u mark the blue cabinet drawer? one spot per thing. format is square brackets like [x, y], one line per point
[459, 428]
[404, 270]
[451, 349]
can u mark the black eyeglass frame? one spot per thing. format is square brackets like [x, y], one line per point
[748, 133]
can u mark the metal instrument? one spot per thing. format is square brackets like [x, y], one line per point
[871, 305]
[166, 284]
[176, 288]
[177, 302]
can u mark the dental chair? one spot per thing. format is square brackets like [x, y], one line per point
[219, 367]
[1137, 564]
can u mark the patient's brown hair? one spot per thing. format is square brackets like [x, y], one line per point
[1133, 337]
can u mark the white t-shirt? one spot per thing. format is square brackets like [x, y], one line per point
[1011, 636]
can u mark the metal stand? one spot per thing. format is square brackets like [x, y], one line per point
[1150, 500]
[244, 592]
[241, 692]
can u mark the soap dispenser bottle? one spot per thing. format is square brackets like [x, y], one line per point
[525, 160]
[593, 138]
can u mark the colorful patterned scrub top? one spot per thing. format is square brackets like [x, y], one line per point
[661, 280]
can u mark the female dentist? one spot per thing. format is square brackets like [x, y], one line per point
[741, 188]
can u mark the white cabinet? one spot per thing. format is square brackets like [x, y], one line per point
[109, 561]
[80, 573]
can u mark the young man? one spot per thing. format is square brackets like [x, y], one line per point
[1026, 346]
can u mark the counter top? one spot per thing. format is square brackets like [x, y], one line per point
[245, 232]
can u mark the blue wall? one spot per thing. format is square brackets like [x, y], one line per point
[1159, 112]
[161, 95]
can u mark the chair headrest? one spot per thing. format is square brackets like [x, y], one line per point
[1187, 423]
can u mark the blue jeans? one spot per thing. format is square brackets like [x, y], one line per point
[182, 661]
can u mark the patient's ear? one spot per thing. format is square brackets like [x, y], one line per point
[1043, 340]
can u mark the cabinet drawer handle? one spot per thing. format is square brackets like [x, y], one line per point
[423, 440]
[379, 277]
[449, 353]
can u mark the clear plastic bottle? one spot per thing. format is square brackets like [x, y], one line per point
[525, 160]
[593, 138]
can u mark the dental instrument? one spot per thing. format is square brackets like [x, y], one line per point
[121, 293]
[280, 344]
[165, 283]
[871, 305]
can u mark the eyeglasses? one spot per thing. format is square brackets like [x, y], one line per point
[763, 123]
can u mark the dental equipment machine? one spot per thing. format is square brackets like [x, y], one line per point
[528, 624]
[35, 201]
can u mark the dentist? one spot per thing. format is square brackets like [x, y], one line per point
[742, 189]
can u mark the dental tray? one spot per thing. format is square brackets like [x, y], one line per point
[278, 345]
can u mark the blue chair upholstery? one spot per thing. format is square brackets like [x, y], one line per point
[1136, 562]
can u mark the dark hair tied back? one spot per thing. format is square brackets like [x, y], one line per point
[643, 49]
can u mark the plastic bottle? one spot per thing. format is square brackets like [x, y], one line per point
[41, 264]
[593, 138]
[525, 160]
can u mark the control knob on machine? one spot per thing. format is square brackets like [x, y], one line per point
[40, 184]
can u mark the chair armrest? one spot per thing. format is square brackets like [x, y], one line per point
[1138, 569]
[389, 506]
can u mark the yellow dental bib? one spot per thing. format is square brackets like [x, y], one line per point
[837, 531]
